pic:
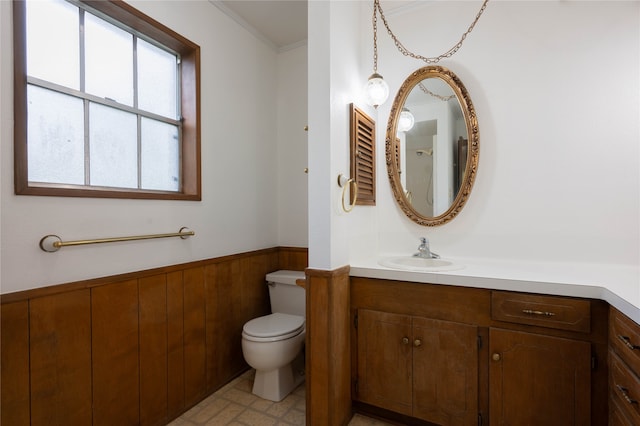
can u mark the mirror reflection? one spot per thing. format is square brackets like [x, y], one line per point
[430, 126]
[432, 169]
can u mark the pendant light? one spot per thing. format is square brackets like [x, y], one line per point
[406, 121]
[376, 90]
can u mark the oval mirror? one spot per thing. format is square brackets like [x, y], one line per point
[432, 146]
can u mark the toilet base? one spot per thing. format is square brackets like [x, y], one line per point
[275, 385]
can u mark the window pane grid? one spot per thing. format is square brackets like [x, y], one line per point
[107, 102]
[139, 148]
[89, 99]
[81, 45]
[85, 7]
[87, 144]
[135, 73]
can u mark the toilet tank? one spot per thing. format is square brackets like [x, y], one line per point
[286, 297]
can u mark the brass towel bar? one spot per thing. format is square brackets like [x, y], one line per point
[52, 243]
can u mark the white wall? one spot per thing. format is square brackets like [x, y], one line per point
[556, 86]
[239, 150]
[292, 148]
[335, 81]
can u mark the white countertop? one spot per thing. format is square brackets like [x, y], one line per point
[617, 284]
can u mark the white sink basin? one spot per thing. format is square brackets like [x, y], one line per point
[419, 264]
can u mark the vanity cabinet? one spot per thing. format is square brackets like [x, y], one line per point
[538, 380]
[624, 370]
[535, 378]
[419, 351]
[466, 356]
[421, 367]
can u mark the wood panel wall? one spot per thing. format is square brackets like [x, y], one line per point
[60, 358]
[14, 321]
[328, 351]
[138, 348]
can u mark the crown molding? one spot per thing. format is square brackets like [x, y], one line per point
[244, 24]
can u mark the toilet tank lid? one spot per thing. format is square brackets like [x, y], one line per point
[285, 277]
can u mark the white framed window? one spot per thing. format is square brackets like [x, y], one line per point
[106, 103]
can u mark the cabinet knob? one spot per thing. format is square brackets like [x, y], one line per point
[495, 357]
[417, 343]
[405, 340]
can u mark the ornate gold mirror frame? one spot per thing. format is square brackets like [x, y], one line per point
[394, 153]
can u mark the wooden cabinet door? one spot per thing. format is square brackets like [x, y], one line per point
[384, 360]
[538, 380]
[445, 372]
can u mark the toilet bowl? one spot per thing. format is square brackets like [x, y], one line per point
[272, 344]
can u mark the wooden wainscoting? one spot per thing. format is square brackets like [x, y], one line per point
[14, 405]
[137, 348]
[328, 350]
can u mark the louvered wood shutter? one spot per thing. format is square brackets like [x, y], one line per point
[363, 156]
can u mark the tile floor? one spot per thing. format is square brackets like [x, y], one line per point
[235, 405]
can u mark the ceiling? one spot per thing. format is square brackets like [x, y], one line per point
[282, 23]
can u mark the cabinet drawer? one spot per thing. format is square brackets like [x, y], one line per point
[624, 335]
[544, 311]
[618, 415]
[624, 388]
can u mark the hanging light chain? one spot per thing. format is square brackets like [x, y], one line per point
[407, 52]
[435, 95]
[375, 39]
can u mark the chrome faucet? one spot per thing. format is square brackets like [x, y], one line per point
[424, 251]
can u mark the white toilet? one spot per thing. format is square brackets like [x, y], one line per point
[273, 344]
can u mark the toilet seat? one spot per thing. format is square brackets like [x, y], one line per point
[273, 327]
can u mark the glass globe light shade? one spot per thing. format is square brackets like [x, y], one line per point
[406, 121]
[376, 91]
